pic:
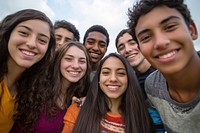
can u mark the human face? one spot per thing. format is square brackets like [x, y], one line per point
[62, 36]
[166, 41]
[128, 48]
[73, 65]
[28, 43]
[96, 46]
[113, 79]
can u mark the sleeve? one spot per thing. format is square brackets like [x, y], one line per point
[70, 118]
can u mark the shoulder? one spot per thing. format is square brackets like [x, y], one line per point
[155, 77]
[155, 83]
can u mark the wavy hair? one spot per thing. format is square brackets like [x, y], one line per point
[134, 111]
[47, 93]
[28, 82]
[78, 89]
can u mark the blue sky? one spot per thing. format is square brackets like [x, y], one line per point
[112, 14]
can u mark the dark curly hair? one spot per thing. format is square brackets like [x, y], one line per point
[142, 7]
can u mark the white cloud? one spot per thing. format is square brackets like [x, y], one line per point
[112, 14]
[11, 6]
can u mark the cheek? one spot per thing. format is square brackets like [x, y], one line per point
[64, 64]
[103, 50]
[84, 68]
[43, 48]
[87, 46]
[122, 52]
[145, 50]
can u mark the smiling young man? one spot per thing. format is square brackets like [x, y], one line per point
[65, 31]
[127, 47]
[165, 32]
[96, 41]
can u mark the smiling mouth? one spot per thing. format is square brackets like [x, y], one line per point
[94, 55]
[168, 55]
[28, 53]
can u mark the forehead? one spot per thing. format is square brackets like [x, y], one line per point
[37, 26]
[155, 16]
[113, 60]
[63, 31]
[125, 37]
[96, 36]
[76, 52]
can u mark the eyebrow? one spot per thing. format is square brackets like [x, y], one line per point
[95, 40]
[28, 28]
[72, 56]
[161, 23]
[111, 69]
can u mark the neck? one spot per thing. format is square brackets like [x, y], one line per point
[184, 85]
[94, 66]
[12, 76]
[114, 106]
[143, 66]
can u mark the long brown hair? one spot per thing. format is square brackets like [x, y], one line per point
[30, 79]
[134, 111]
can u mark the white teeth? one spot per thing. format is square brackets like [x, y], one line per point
[74, 72]
[94, 55]
[167, 55]
[113, 87]
[28, 53]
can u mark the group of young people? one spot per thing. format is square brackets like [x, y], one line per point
[51, 82]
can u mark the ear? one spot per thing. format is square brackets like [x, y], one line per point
[193, 30]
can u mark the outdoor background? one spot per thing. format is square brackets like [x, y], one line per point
[112, 14]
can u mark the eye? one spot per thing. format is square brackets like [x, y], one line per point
[43, 41]
[90, 42]
[23, 33]
[144, 38]
[68, 59]
[102, 45]
[132, 43]
[121, 73]
[170, 27]
[105, 72]
[120, 47]
[82, 61]
[67, 39]
[58, 38]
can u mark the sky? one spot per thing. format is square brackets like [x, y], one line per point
[112, 14]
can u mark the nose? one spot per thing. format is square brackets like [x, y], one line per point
[113, 77]
[75, 64]
[31, 42]
[96, 47]
[128, 48]
[161, 41]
